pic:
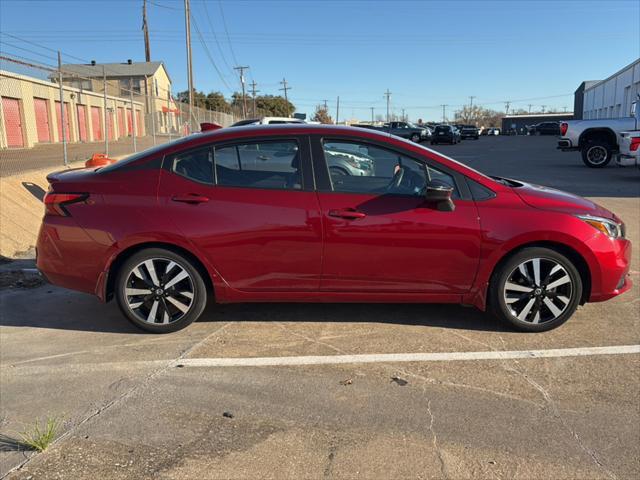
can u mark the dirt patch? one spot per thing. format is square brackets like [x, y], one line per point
[20, 279]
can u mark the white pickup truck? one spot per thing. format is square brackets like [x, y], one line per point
[598, 140]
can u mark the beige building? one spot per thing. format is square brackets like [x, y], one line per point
[31, 113]
[147, 82]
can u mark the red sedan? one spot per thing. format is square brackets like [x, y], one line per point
[309, 213]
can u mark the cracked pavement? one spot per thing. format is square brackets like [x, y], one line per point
[132, 410]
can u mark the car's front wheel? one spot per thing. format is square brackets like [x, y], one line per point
[415, 138]
[160, 291]
[537, 289]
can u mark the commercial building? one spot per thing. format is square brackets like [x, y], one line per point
[32, 114]
[148, 83]
[613, 96]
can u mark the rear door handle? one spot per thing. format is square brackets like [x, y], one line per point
[190, 198]
[348, 213]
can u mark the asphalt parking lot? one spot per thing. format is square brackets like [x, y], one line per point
[196, 404]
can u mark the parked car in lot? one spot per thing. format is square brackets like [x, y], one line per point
[597, 140]
[254, 215]
[629, 154]
[445, 134]
[493, 131]
[545, 128]
[470, 131]
[406, 130]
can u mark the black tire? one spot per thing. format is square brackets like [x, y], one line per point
[496, 295]
[415, 138]
[596, 153]
[160, 256]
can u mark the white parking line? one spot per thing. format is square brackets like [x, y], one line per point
[408, 357]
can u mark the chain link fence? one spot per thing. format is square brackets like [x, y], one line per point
[52, 117]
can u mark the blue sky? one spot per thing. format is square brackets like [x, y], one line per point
[426, 52]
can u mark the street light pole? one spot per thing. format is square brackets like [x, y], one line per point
[187, 26]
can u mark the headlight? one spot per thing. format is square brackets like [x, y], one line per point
[605, 225]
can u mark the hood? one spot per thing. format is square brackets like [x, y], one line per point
[546, 198]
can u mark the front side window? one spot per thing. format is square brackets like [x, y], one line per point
[271, 164]
[357, 167]
[195, 165]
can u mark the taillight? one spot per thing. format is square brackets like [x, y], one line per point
[563, 128]
[55, 203]
[635, 143]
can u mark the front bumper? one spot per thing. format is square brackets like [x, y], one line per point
[610, 274]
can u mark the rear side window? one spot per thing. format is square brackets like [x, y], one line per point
[273, 164]
[195, 165]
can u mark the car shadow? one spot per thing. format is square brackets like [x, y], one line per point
[428, 315]
[82, 312]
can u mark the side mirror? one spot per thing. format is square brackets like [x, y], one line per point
[441, 197]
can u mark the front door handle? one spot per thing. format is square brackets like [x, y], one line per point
[348, 213]
[190, 198]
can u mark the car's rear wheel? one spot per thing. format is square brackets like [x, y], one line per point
[160, 291]
[415, 138]
[596, 153]
[537, 289]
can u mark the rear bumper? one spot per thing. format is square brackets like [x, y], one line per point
[565, 144]
[67, 256]
[626, 161]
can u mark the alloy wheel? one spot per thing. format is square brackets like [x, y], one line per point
[538, 290]
[159, 291]
[597, 155]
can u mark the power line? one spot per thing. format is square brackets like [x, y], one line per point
[210, 57]
[215, 37]
[224, 22]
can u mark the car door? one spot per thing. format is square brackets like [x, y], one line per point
[259, 228]
[383, 238]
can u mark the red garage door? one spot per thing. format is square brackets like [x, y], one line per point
[129, 122]
[121, 123]
[41, 107]
[12, 121]
[81, 111]
[96, 121]
[67, 125]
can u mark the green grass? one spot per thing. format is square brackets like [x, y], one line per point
[40, 437]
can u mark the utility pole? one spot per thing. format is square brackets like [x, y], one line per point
[63, 127]
[105, 114]
[145, 29]
[403, 118]
[444, 113]
[543, 108]
[326, 107]
[506, 107]
[530, 107]
[244, 98]
[565, 109]
[338, 110]
[471, 97]
[187, 26]
[285, 88]
[387, 94]
[253, 94]
[372, 109]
